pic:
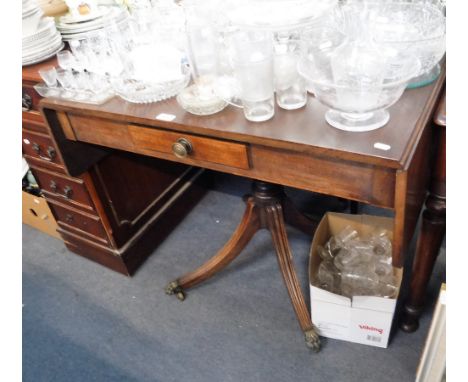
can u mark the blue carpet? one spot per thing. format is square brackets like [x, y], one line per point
[82, 322]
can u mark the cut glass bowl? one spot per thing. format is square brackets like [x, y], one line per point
[357, 80]
[417, 27]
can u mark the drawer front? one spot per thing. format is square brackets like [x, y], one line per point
[187, 146]
[40, 146]
[35, 126]
[64, 188]
[30, 101]
[87, 225]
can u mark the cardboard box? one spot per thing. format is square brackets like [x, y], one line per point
[37, 214]
[362, 319]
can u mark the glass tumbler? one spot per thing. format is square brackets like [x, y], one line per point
[253, 69]
[49, 75]
[290, 87]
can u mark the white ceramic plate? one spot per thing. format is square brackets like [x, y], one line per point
[43, 49]
[110, 13]
[48, 45]
[30, 10]
[44, 57]
[70, 19]
[44, 31]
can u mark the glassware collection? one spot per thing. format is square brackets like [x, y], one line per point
[357, 266]
[357, 57]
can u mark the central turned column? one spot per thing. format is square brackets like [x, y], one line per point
[268, 207]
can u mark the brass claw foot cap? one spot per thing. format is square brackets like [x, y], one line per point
[180, 296]
[312, 340]
[174, 288]
[171, 287]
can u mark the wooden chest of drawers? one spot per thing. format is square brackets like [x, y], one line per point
[121, 208]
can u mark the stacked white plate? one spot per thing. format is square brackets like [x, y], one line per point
[31, 16]
[41, 40]
[81, 27]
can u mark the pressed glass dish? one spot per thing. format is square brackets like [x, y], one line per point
[192, 101]
[139, 91]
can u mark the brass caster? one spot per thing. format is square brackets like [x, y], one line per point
[180, 296]
[312, 340]
[171, 287]
[174, 288]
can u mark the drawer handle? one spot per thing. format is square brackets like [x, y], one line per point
[67, 191]
[69, 218]
[53, 186]
[181, 148]
[27, 102]
[51, 153]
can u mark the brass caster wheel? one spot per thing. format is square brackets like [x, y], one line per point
[171, 287]
[174, 288]
[312, 340]
[180, 296]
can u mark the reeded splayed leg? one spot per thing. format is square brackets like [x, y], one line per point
[275, 223]
[244, 232]
[264, 210]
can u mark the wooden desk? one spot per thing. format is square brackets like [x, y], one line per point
[296, 148]
[112, 213]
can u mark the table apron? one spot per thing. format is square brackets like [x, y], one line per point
[317, 173]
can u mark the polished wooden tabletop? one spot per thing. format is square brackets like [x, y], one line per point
[302, 130]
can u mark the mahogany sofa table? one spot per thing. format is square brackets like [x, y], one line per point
[385, 168]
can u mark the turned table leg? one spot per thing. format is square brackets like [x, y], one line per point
[429, 240]
[264, 210]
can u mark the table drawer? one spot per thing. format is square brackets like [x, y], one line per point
[40, 146]
[36, 126]
[191, 147]
[182, 147]
[61, 187]
[80, 222]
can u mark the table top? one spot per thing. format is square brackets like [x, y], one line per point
[304, 130]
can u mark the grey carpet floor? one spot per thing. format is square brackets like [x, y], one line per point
[82, 322]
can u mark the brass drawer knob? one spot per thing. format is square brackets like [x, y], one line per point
[67, 192]
[27, 102]
[51, 152]
[53, 186]
[181, 148]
